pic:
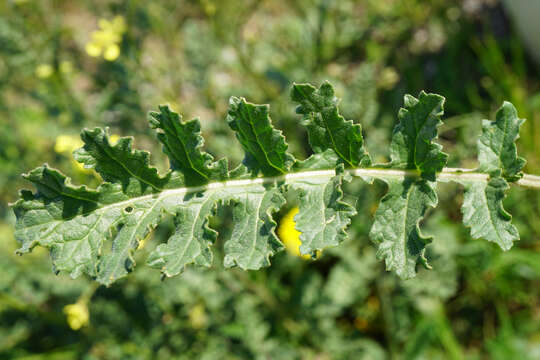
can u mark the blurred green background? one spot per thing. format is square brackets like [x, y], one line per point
[65, 65]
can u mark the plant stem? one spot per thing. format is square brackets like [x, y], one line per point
[448, 174]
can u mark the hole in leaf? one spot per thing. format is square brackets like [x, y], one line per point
[129, 209]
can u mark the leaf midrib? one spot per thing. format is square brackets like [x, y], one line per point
[250, 122]
[186, 152]
[330, 134]
[448, 174]
[127, 169]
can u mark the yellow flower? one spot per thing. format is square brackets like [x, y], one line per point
[80, 166]
[44, 71]
[111, 52]
[197, 316]
[116, 25]
[290, 236]
[106, 40]
[113, 139]
[93, 49]
[67, 144]
[77, 315]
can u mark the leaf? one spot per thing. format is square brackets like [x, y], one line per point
[253, 239]
[39, 216]
[119, 163]
[190, 243]
[142, 219]
[497, 150]
[182, 142]
[327, 129]
[412, 144]
[323, 215]
[483, 212]
[97, 231]
[482, 205]
[66, 219]
[266, 149]
[396, 228]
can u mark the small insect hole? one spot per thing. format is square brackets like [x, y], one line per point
[128, 209]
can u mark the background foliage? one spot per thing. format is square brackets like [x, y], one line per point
[65, 65]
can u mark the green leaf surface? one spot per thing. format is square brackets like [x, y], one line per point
[97, 231]
[265, 147]
[190, 243]
[483, 212]
[68, 220]
[412, 144]
[323, 216]
[396, 227]
[253, 239]
[118, 163]
[143, 218]
[182, 142]
[497, 151]
[327, 129]
[482, 205]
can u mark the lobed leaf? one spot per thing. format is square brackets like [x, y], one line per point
[412, 144]
[181, 143]
[396, 227]
[97, 231]
[483, 212]
[253, 239]
[327, 129]
[482, 205]
[265, 147]
[119, 163]
[497, 151]
[323, 216]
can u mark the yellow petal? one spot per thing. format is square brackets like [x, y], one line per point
[44, 71]
[105, 38]
[93, 49]
[111, 52]
[197, 316]
[118, 25]
[104, 24]
[113, 139]
[80, 167]
[77, 315]
[289, 235]
[67, 143]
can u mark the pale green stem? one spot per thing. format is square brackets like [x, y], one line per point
[448, 174]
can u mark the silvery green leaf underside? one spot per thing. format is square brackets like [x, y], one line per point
[483, 212]
[482, 205]
[497, 151]
[396, 228]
